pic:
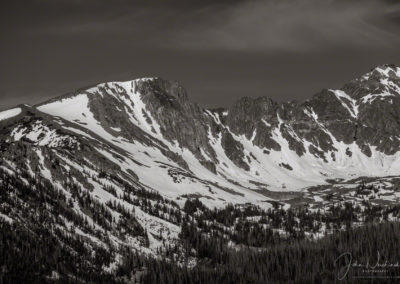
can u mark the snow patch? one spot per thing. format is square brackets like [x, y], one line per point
[265, 122]
[353, 108]
[10, 113]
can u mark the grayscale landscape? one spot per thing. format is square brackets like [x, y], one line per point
[136, 180]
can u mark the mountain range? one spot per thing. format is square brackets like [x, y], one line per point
[123, 147]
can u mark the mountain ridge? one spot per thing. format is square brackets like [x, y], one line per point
[330, 126]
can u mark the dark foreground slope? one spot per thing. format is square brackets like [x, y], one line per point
[29, 256]
[323, 261]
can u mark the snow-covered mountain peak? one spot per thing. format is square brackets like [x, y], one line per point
[147, 130]
[382, 71]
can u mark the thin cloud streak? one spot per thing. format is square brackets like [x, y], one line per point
[290, 26]
[252, 26]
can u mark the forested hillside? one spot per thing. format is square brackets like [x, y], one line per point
[43, 240]
[37, 257]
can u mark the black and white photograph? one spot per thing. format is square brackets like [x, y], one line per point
[209, 142]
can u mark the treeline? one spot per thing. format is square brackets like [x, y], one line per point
[39, 255]
[300, 262]
[253, 226]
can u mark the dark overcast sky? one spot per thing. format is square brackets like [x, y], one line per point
[219, 50]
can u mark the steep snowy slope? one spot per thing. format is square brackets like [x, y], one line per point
[256, 144]
[116, 113]
[106, 205]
